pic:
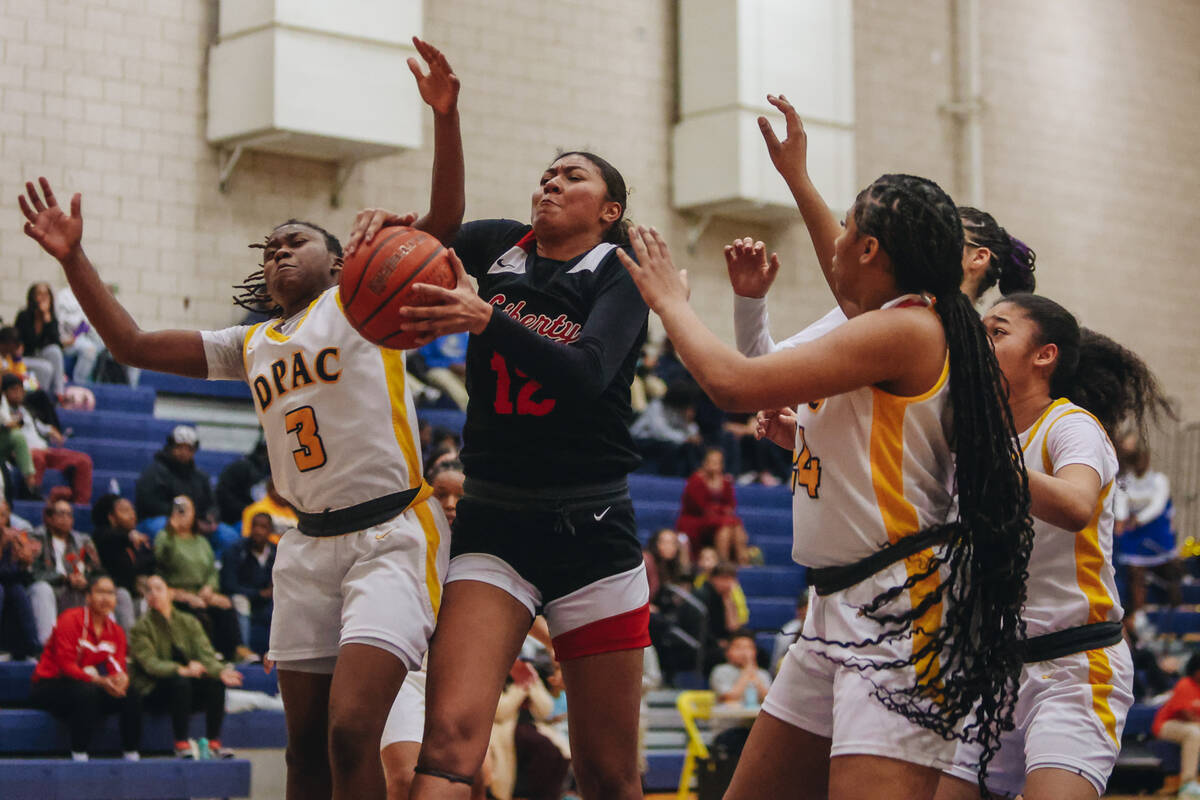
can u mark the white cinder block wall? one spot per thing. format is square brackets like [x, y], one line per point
[1090, 147]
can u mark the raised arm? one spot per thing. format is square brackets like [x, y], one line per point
[60, 234]
[901, 350]
[790, 158]
[447, 195]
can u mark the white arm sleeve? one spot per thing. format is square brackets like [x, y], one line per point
[753, 336]
[223, 351]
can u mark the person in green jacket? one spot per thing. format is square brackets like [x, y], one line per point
[185, 561]
[173, 666]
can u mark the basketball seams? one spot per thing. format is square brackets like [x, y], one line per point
[362, 273]
[411, 277]
[416, 273]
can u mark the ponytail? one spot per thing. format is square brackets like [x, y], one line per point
[1012, 262]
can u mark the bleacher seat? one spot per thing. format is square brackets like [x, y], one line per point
[449, 418]
[194, 387]
[1177, 621]
[662, 770]
[15, 677]
[781, 581]
[124, 425]
[117, 397]
[60, 779]
[770, 613]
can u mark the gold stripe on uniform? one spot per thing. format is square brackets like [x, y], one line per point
[899, 515]
[433, 541]
[1100, 676]
[393, 368]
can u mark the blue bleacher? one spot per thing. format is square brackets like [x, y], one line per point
[117, 397]
[125, 425]
[194, 387]
[783, 581]
[57, 779]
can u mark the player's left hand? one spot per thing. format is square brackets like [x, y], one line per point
[368, 222]
[654, 272]
[440, 311]
[439, 89]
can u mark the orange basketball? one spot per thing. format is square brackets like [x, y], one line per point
[378, 279]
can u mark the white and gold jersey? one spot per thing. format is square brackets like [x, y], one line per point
[1071, 579]
[340, 426]
[869, 468]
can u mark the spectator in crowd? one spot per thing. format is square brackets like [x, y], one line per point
[520, 753]
[173, 667]
[446, 366]
[276, 507]
[14, 447]
[725, 614]
[1178, 720]
[762, 461]
[706, 513]
[1146, 540]
[185, 561]
[172, 473]
[82, 673]
[666, 433]
[44, 442]
[446, 478]
[76, 334]
[66, 560]
[12, 358]
[738, 681]
[790, 631]
[246, 575]
[667, 564]
[125, 552]
[37, 329]
[18, 630]
[239, 484]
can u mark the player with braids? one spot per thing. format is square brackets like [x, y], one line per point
[1069, 390]
[252, 291]
[357, 583]
[997, 256]
[913, 636]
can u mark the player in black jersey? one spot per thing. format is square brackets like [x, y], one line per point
[546, 524]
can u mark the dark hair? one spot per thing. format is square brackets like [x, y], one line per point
[614, 182]
[670, 570]
[1012, 261]
[1093, 371]
[1193, 664]
[102, 508]
[9, 380]
[252, 292]
[743, 633]
[969, 666]
[9, 335]
[58, 494]
[724, 569]
[453, 465]
[96, 577]
[31, 298]
[679, 395]
[264, 515]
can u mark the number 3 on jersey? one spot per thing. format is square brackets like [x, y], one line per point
[806, 468]
[310, 454]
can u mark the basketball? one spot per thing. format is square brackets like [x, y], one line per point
[378, 279]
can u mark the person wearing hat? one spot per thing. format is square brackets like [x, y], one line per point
[173, 472]
[42, 443]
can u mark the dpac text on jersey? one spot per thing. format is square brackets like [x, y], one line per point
[326, 368]
[560, 328]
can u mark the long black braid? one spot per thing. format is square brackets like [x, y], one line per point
[968, 668]
[252, 293]
[1093, 371]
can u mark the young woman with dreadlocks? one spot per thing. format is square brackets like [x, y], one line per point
[912, 637]
[990, 255]
[358, 583]
[1069, 389]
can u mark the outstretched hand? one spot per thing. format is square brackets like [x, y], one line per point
[369, 221]
[437, 311]
[439, 89]
[654, 272]
[790, 156]
[58, 233]
[751, 273]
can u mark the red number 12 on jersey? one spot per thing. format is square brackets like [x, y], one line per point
[525, 402]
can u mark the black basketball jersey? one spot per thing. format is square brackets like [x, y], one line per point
[549, 378]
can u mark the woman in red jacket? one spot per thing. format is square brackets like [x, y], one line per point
[81, 674]
[706, 515]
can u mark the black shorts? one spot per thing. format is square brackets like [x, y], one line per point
[575, 559]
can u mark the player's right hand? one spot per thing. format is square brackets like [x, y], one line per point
[777, 425]
[751, 273]
[368, 222]
[58, 233]
[790, 156]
